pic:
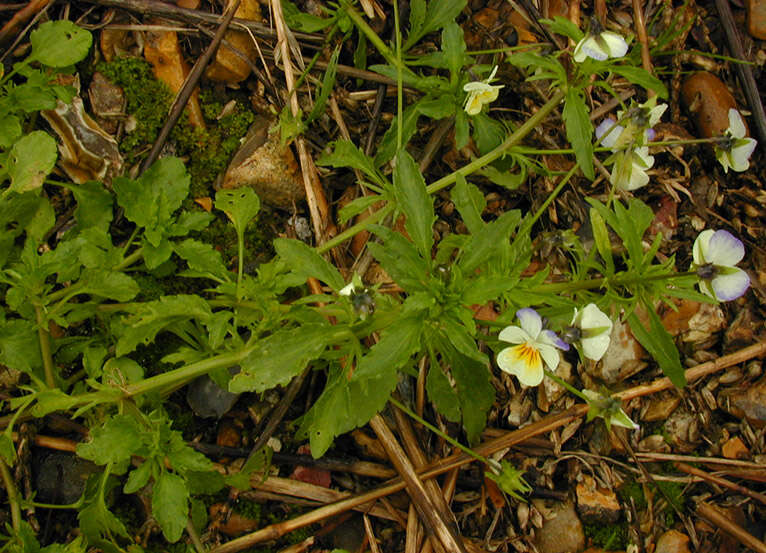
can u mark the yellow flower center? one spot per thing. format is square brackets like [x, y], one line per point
[527, 353]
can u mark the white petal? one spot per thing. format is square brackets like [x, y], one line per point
[528, 373]
[656, 113]
[593, 317]
[589, 48]
[610, 131]
[514, 335]
[473, 104]
[550, 355]
[475, 87]
[736, 124]
[724, 158]
[530, 321]
[642, 158]
[740, 155]
[638, 178]
[347, 289]
[622, 419]
[699, 250]
[724, 249]
[491, 75]
[596, 346]
[730, 287]
[617, 45]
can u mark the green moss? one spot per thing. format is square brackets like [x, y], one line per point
[247, 508]
[148, 101]
[632, 490]
[611, 537]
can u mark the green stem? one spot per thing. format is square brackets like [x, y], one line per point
[552, 195]
[375, 217]
[515, 138]
[561, 382]
[45, 346]
[200, 548]
[399, 93]
[558, 287]
[439, 433]
[13, 496]
[371, 35]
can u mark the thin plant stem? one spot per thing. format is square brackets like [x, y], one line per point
[561, 382]
[45, 346]
[196, 541]
[13, 495]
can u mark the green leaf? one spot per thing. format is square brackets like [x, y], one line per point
[7, 450]
[442, 394]
[109, 284]
[346, 404]
[41, 220]
[328, 82]
[461, 129]
[484, 243]
[601, 238]
[20, 346]
[184, 458]
[641, 77]
[139, 477]
[257, 462]
[115, 441]
[438, 14]
[150, 200]
[659, 343]
[304, 22]
[10, 130]
[31, 160]
[400, 259]
[94, 205]
[387, 147]
[60, 43]
[437, 107]
[170, 505]
[415, 202]
[470, 203]
[281, 356]
[122, 370]
[417, 16]
[357, 206]
[305, 261]
[204, 483]
[454, 48]
[95, 518]
[563, 26]
[579, 130]
[203, 259]
[149, 318]
[241, 205]
[345, 154]
[510, 480]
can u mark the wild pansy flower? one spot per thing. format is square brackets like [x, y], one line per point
[600, 44]
[715, 253]
[630, 166]
[535, 345]
[480, 93]
[360, 296]
[590, 330]
[607, 408]
[734, 149]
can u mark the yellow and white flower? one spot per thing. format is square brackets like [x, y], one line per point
[591, 328]
[600, 45]
[480, 93]
[534, 346]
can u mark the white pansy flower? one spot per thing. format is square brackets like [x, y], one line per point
[600, 45]
[630, 166]
[609, 409]
[591, 328]
[480, 93]
[715, 255]
[734, 149]
[534, 345]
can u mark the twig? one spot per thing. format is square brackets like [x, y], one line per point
[688, 469]
[745, 538]
[433, 519]
[744, 71]
[30, 10]
[182, 98]
[638, 19]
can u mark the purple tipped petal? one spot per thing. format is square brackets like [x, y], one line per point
[724, 249]
[730, 287]
[530, 321]
[550, 337]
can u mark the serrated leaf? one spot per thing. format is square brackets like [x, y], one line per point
[184, 458]
[115, 441]
[305, 261]
[438, 13]
[442, 394]
[415, 202]
[357, 206]
[31, 160]
[170, 505]
[387, 147]
[563, 26]
[60, 43]
[453, 46]
[241, 205]
[7, 450]
[95, 518]
[328, 82]
[659, 343]
[579, 130]
[470, 203]
[484, 243]
[203, 259]
[400, 259]
[280, 357]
